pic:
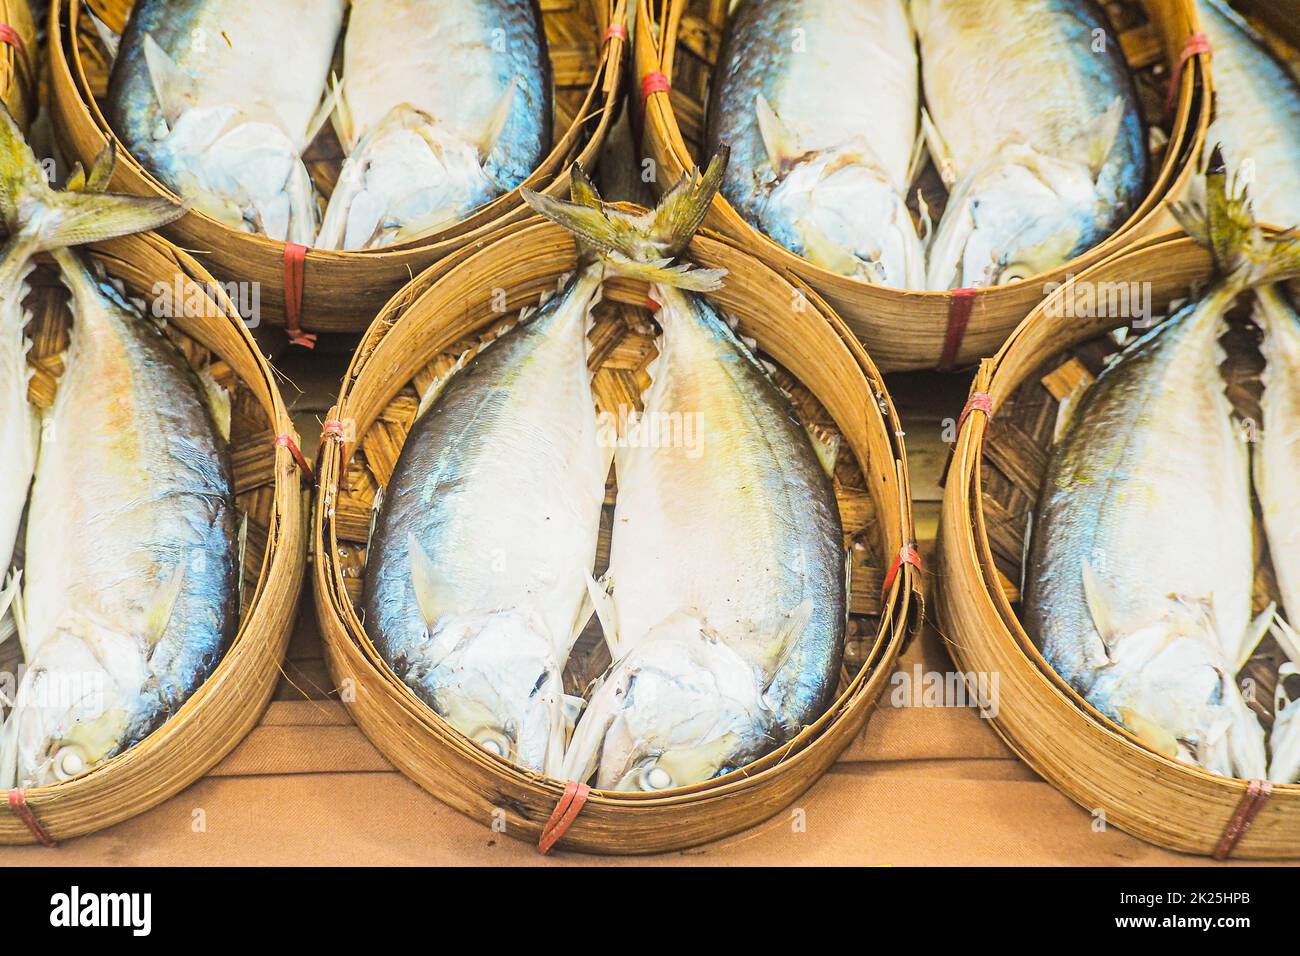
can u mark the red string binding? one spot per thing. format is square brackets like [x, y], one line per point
[978, 402]
[562, 817]
[1252, 801]
[959, 310]
[907, 554]
[615, 30]
[295, 279]
[1196, 44]
[23, 810]
[286, 441]
[652, 83]
[10, 36]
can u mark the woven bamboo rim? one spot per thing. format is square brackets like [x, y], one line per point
[343, 290]
[268, 489]
[903, 329]
[419, 334]
[19, 60]
[997, 464]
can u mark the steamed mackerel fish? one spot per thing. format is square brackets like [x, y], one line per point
[1141, 562]
[1036, 128]
[1256, 115]
[444, 106]
[725, 608]
[218, 98]
[818, 100]
[486, 537]
[130, 594]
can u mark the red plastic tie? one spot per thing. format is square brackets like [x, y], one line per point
[1196, 44]
[1252, 801]
[18, 803]
[652, 83]
[295, 279]
[959, 310]
[651, 304]
[9, 35]
[286, 441]
[978, 402]
[335, 429]
[615, 30]
[907, 554]
[562, 817]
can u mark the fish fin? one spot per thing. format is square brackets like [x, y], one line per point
[601, 595]
[12, 592]
[1096, 595]
[163, 605]
[571, 706]
[432, 593]
[345, 127]
[172, 85]
[109, 37]
[52, 219]
[778, 139]
[1098, 140]
[651, 237]
[787, 636]
[101, 171]
[1286, 638]
[582, 190]
[19, 611]
[241, 555]
[927, 221]
[1255, 632]
[825, 251]
[324, 111]
[497, 121]
[660, 272]
[938, 149]
[916, 162]
[826, 443]
[218, 400]
[1155, 736]
[1222, 222]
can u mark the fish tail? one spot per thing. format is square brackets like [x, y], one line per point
[1224, 222]
[641, 245]
[40, 219]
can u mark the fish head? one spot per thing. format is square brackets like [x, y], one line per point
[1170, 685]
[76, 704]
[1016, 219]
[407, 177]
[681, 708]
[497, 679]
[840, 212]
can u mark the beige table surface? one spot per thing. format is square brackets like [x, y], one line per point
[920, 786]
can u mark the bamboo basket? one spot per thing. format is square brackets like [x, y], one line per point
[992, 486]
[420, 334]
[342, 291]
[268, 490]
[912, 329]
[19, 60]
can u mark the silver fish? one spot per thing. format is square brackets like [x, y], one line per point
[725, 603]
[444, 107]
[1141, 561]
[130, 594]
[819, 100]
[218, 99]
[1035, 126]
[477, 577]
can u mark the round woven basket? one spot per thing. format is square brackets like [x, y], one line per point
[341, 291]
[268, 490]
[19, 60]
[992, 486]
[680, 39]
[450, 309]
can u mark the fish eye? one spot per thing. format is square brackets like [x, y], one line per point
[68, 762]
[493, 741]
[654, 777]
